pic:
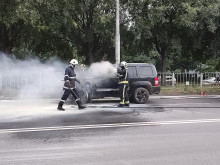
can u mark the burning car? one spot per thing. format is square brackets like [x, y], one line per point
[143, 82]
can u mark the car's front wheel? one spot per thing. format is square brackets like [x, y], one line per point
[141, 95]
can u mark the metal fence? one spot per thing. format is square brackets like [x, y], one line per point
[18, 80]
[27, 80]
[30, 84]
[189, 79]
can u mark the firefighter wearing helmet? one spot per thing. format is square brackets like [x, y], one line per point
[69, 86]
[123, 84]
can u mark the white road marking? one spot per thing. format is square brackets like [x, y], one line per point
[116, 125]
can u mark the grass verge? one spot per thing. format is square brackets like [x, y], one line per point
[182, 90]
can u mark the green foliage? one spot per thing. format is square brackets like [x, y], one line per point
[10, 25]
[173, 35]
[209, 66]
[141, 58]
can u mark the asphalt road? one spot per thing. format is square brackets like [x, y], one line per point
[168, 130]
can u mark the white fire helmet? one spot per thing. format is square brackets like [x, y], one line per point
[74, 62]
[123, 64]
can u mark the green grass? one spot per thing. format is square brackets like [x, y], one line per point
[191, 90]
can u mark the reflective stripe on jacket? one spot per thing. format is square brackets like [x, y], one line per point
[123, 76]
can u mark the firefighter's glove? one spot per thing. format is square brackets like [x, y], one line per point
[68, 84]
[77, 80]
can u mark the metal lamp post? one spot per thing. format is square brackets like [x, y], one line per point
[117, 35]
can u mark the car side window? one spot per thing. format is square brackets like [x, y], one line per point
[145, 71]
[132, 71]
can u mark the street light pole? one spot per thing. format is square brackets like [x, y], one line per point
[117, 35]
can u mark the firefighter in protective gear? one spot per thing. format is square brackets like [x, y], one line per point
[123, 84]
[69, 86]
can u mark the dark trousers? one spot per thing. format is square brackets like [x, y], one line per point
[67, 92]
[123, 93]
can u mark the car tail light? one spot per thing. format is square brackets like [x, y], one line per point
[156, 81]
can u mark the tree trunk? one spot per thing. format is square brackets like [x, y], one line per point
[90, 50]
[164, 60]
[5, 40]
[163, 51]
[164, 65]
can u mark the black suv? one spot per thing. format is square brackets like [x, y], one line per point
[143, 81]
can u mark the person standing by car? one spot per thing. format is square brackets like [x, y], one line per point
[123, 84]
[69, 86]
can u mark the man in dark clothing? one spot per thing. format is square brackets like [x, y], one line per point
[69, 86]
[123, 84]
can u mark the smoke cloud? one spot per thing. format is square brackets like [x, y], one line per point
[102, 69]
[31, 78]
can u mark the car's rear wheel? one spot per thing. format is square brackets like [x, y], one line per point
[141, 95]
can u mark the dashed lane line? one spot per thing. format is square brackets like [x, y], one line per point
[115, 125]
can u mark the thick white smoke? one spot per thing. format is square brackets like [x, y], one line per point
[102, 69]
[32, 79]
[100, 74]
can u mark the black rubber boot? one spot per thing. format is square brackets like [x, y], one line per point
[127, 105]
[80, 106]
[60, 106]
[120, 105]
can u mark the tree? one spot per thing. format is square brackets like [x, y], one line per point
[84, 26]
[91, 28]
[199, 32]
[10, 25]
[168, 22]
[183, 33]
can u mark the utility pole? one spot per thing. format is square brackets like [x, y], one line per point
[117, 35]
